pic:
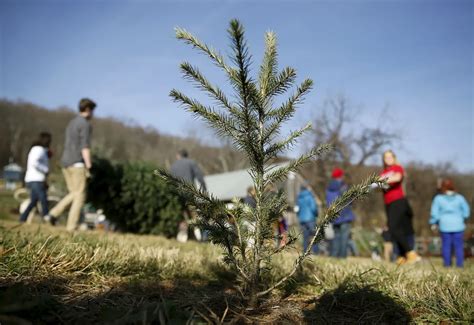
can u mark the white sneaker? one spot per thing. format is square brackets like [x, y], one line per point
[51, 219]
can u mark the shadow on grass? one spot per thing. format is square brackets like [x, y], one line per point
[151, 300]
[58, 300]
[352, 303]
[301, 278]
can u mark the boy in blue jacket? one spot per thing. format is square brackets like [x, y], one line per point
[449, 210]
[307, 214]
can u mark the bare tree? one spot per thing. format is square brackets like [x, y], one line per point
[330, 126]
[354, 142]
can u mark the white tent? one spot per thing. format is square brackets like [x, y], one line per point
[227, 186]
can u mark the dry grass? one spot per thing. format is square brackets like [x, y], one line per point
[50, 276]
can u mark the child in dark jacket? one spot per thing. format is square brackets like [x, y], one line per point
[342, 225]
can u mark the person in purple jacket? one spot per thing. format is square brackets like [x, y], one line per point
[449, 211]
[342, 225]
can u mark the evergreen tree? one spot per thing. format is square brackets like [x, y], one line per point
[253, 123]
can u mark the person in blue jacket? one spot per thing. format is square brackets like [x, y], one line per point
[307, 214]
[448, 211]
[342, 225]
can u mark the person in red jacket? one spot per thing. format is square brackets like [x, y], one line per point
[399, 213]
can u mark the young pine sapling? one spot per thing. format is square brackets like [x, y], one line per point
[252, 121]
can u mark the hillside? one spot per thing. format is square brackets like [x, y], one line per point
[112, 139]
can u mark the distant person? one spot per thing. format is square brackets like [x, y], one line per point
[449, 210]
[399, 212]
[250, 198]
[374, 251]
[307, 214]
[36, 175]
[188, 170]
[342, 225]
[282, 231]
[76, 162]
[280, 226]
[250, 203]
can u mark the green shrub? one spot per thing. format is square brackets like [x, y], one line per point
[133, 199]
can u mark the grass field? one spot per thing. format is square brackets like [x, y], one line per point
[7, 205]
[50, 276]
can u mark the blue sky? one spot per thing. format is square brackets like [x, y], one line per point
[414, 56]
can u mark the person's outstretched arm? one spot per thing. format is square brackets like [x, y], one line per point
[86, 156]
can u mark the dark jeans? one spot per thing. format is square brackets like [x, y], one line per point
[411, 242]
[308, 233]
[352, 248]
[449, 241]
[341, 240]
[400, 226]
[38, 193]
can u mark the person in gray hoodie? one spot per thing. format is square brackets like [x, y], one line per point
[188, 170]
